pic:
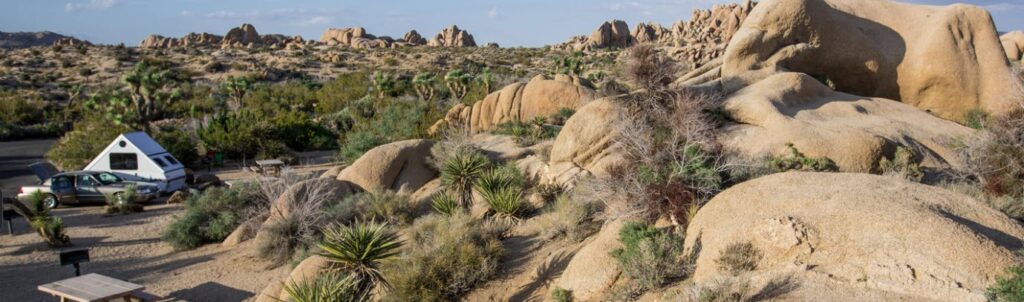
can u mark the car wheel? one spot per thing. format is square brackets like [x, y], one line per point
[50, 201]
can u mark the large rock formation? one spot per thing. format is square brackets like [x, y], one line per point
[1013, 45]
[357, 37]
[400, 166]
[452, 37]
[614, 33]
[856, 132]
[947, 60]
[540, 97]
[587, 144]
[244, 35]
[593, 270]
[836, 233]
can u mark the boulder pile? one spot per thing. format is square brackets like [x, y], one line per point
[1013, 45]
[238, 37]
[358, 38]
[452, 37]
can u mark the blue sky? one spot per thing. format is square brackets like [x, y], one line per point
[510, 23]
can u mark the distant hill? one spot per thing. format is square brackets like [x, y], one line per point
[11, 40]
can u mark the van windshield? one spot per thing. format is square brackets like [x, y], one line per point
[107, 178]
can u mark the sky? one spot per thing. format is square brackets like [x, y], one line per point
[507, 22]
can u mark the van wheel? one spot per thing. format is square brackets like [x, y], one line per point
[50, 201]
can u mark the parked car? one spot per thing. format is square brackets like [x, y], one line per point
[83, 186]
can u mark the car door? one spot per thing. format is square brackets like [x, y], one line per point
[64, 188]
[87, 188]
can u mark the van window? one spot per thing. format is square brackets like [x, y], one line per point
[171, 160]
[159, 162]
[124, 161]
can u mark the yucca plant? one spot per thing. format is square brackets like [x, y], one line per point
[359, 249]
[498, 178]
[50, 228]
[124, 202]
[446, 203]
[460, 171]
[507, 202]
[328, 287]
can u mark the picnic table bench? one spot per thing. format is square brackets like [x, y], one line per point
[270, 166]
[92, 288]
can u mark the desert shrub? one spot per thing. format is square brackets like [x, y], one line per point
[904, 164]
[337, 94]
[252, 133]
[386, 206]
[326, 287]
[297, 219]
[394, 120]
[648, 69]
[78, 147]
[124, 202]
[281, 240]
[211, 216]
[976, 118]
[1008, 288]
[650, 257]
[738, 257]
[796, 161]
[996, 155]
[17, 108]
[502, 187]
[527, 133]
[178, 141]
[569, 218]
[446, 257]
[11, 132]
[569, 64]
[559, 294]
[562, 116]
[50, 228]
[359, 250]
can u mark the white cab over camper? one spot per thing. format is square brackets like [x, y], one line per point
[136, 156]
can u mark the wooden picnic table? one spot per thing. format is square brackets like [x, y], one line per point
[91, 288]
[273, 166]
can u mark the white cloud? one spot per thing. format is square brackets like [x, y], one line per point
[317, 20]
[186, 13]
[91, 5]
[299, 17]
[493, 13]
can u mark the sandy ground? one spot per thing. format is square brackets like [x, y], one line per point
[128, 247]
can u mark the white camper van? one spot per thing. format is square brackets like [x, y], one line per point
[136, 156]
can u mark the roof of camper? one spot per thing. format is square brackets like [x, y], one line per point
[145, 143]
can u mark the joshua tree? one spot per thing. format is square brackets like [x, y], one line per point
[486, 78]
[151, 90]
[236, 88]
[458, 83]
[383, 83]
[424, 84]
[570, 65]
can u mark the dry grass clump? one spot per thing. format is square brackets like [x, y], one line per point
[646, 68]
[446, 257]
[570, 218]
[905, 164]
[738, 257]
[300, 218]
[996, 155]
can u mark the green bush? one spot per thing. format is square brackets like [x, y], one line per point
[445, 258]
[797, 161]
[561, 295]
[251, 133]
[78, 147]
[337, 94]
[11, 132]
[1008, 288]
[904, 164]
[124, 202]
[211, 216]
[179, 143]
[650, 257]
[390, 121]
[527, 133]
[384, 206]
[18, 109]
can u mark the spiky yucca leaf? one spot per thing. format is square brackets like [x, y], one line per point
[507, 202]
[459, 172]
[328, 287]
[360, 248]
[446, 203]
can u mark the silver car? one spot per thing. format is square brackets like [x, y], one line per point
[83, 186]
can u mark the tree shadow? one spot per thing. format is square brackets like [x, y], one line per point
[210, 291]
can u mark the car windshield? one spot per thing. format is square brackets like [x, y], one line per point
[107, 178]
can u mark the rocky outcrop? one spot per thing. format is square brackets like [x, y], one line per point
[413, 38]
[71, 42]
[400, 167]
[943, 59]
[1013, 45]
[357, 37]
[540, 97]
[838, 233]
[696, 41]
[13, 40]
[587, 144]
[238, 37]
[856, 132]
[452, 37]
[593, 270]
